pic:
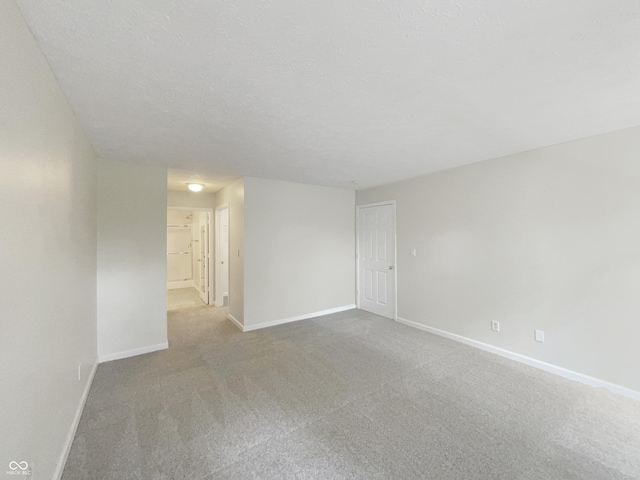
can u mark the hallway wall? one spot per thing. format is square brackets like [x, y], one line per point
[132, 252]
[300, 250]
[191, 199]
[233, 195]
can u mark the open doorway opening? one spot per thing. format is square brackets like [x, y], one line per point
[222, 256]
[189, 257]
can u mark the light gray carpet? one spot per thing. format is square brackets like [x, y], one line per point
[349, 395]
[179, 298]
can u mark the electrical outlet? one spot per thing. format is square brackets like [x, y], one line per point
[539, 336]
[495, 325]
[79, 371]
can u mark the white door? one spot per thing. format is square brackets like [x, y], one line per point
[376, 259]
[222, 256]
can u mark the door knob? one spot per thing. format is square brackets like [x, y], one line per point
[390, 267]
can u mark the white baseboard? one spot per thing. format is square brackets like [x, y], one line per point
[235, 322]
[74, 425]
[132, 353]
[273, 323]
[532, 362]
[180, 284]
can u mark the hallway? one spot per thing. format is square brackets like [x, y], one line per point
[179, 298]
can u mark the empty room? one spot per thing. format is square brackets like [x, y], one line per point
[320, 240]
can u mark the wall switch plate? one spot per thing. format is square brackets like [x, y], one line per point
[413, 252]
[539, 336]
[495, 325]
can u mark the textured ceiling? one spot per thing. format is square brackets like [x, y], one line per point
[335, 91]
[177, 181]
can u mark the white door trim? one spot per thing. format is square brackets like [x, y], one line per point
[395, 252]
[210, 221]
[219, 300]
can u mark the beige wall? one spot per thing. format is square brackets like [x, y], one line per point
[47, 256]
[233, 195]
[548, 239]
[132, 252]
[191, 199]
[300, 249]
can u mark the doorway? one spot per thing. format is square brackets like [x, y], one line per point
[376, 258]
[189, 252]
[222, 256]
[203, 283]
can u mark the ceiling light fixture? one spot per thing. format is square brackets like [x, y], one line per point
[195, 187]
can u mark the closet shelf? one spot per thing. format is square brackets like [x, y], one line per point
[176, 225]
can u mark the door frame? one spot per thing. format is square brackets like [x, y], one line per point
[209, 212]
[395, 252]
[219, 295]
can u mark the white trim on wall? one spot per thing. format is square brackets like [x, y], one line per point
[395, 253]
[532, 362]
[74, 425]
[235, 321]
[273, 323]
[132, 353]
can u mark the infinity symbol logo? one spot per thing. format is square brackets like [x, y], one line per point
[20, 465]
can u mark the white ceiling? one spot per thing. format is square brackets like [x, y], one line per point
[334, 91]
